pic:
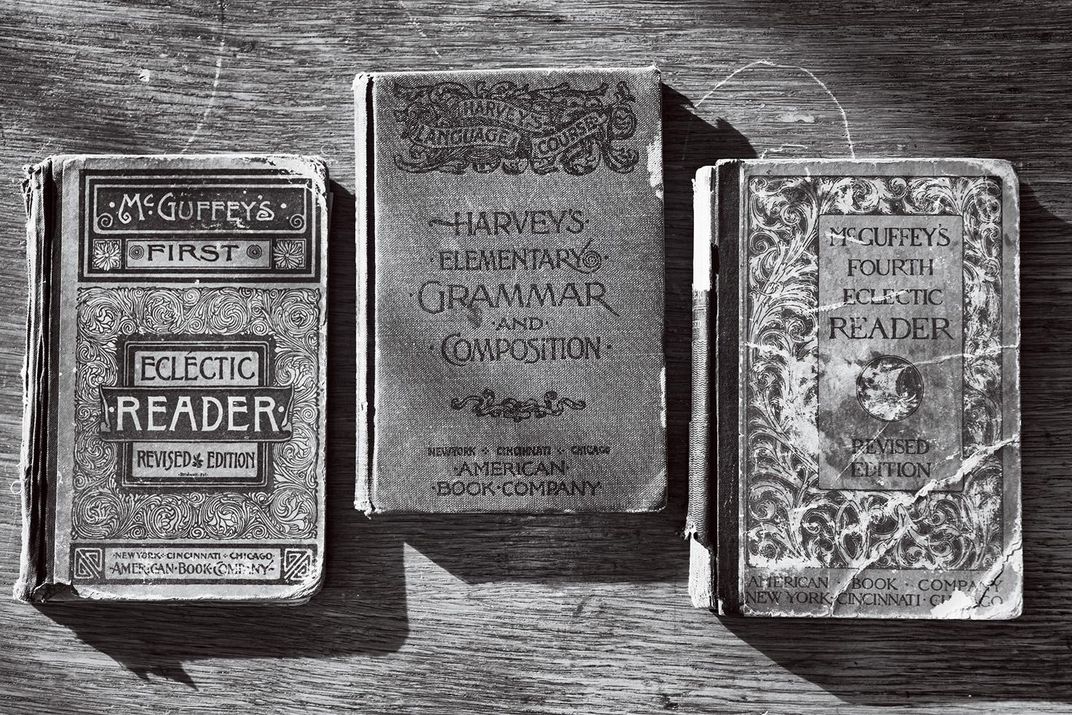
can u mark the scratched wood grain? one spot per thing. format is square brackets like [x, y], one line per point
[524, 614]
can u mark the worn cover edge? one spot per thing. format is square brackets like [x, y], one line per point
[697, 522]
[363, 152]
[727, 433]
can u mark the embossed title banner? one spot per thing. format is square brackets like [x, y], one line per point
[248, 224]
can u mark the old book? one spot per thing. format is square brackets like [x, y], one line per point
[864, 365]
[510, 243]
[175, 388]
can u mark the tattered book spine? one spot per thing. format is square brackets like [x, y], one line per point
[175, 388]
[698, 527]
[510, 251]
[868, 447]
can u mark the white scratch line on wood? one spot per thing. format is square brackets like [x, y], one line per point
[211, 97]
[417, 26]
[733, 74]
[780, 147]
[805, 70]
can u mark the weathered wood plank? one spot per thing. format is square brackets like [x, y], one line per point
[565, 614]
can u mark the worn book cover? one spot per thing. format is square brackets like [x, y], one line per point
[175, 388]
[510, 231]
[865, 368]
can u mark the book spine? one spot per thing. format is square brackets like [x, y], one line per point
[727, 212]
[364, 150]
[697, 523]
[33, 566]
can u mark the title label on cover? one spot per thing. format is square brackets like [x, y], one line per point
[890, 338]
[198, 224]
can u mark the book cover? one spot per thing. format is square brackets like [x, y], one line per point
[175, 388]
[867, 447]
[510, 230]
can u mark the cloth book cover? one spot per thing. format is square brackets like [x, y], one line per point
[175, 388]
[510, 270]
[856, 432]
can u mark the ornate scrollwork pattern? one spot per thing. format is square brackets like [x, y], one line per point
[514, 127]
[292, 316]
[788, 517]
[485, 405]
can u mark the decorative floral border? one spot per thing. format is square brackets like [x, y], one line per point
[788, 517]
[101, 510]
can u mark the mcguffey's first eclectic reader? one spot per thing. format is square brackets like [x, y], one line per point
[175, 378]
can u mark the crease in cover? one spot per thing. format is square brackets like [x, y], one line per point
[33, 480]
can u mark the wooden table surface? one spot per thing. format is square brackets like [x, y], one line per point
[501, 614]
